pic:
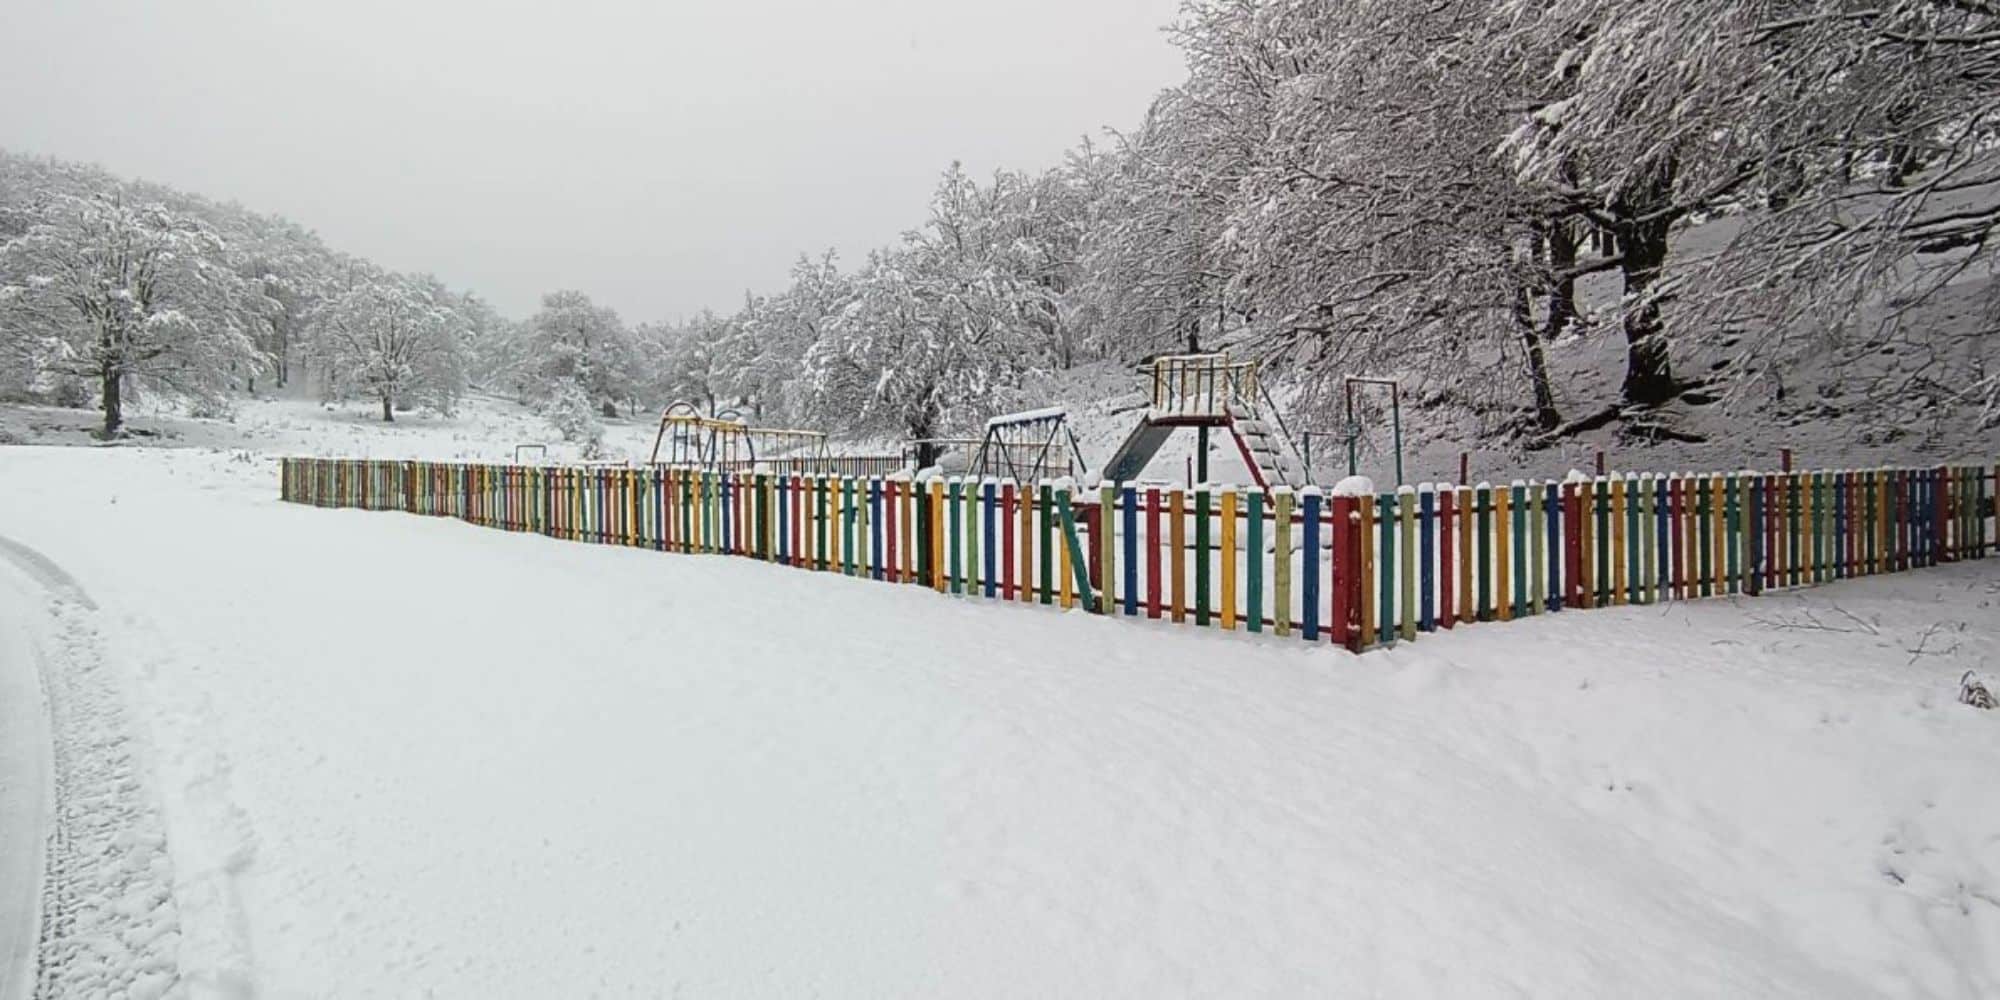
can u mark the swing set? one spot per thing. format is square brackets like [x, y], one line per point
[724, 442]
[1029, 446]
[1351, 434]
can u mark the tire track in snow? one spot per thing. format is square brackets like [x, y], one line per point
[108, 922]
[24, 800]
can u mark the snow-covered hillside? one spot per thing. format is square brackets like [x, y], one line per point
[1825, 418]
[379, 755]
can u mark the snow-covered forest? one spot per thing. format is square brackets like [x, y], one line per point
[1725, 189]
[110, 288]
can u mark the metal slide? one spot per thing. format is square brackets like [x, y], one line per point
[1264, 454]
[1139, 448]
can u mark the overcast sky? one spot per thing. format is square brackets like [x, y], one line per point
[661, 156]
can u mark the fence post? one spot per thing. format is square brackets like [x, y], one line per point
[1753, 534]
[1511, 566]
[1483, 501]
[969, 496]
[1107, 496]
[1201, 557]
[1347, 581]
[1010, 494]
[1447, 530]
[1427, 533]
[1309, 504]
[1023, 525]
[1049, 547]
[1226, 555]
[1153, 545]
[1281, 566]
[1253, 560]
[1406, 516]
[1386, 612]
[1572, 531]
[922, 547]
[1941, 501]
[1545, 546]
[1467, 521]
[1073, 544]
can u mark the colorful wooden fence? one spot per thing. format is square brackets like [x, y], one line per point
[1359, 571]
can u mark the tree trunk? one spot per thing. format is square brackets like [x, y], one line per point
[928, 452]
[1561, 242]
[1649, 373]
[922, 427]
[114, 411]
[1546, 417]
[388, 408]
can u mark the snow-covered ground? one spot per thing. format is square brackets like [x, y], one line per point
[338, 753]
[484, 429]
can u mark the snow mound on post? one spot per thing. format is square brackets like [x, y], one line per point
[1354, 486]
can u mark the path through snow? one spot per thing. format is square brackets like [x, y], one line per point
[92, 879]
[24, 783]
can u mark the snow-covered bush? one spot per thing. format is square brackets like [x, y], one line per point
[569, 411]
[70, 393]
[216, 408]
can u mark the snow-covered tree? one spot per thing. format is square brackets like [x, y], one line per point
[760, 358]
[573, 339]
[1370, 227]
[127, 295]
[570, 411]
[1850, 145]
[936, 335]
[684, 362]
[397, 340]
[1154, 265]
[289, 275]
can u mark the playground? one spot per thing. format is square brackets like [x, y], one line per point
[1359, 568]
[1206, 394]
